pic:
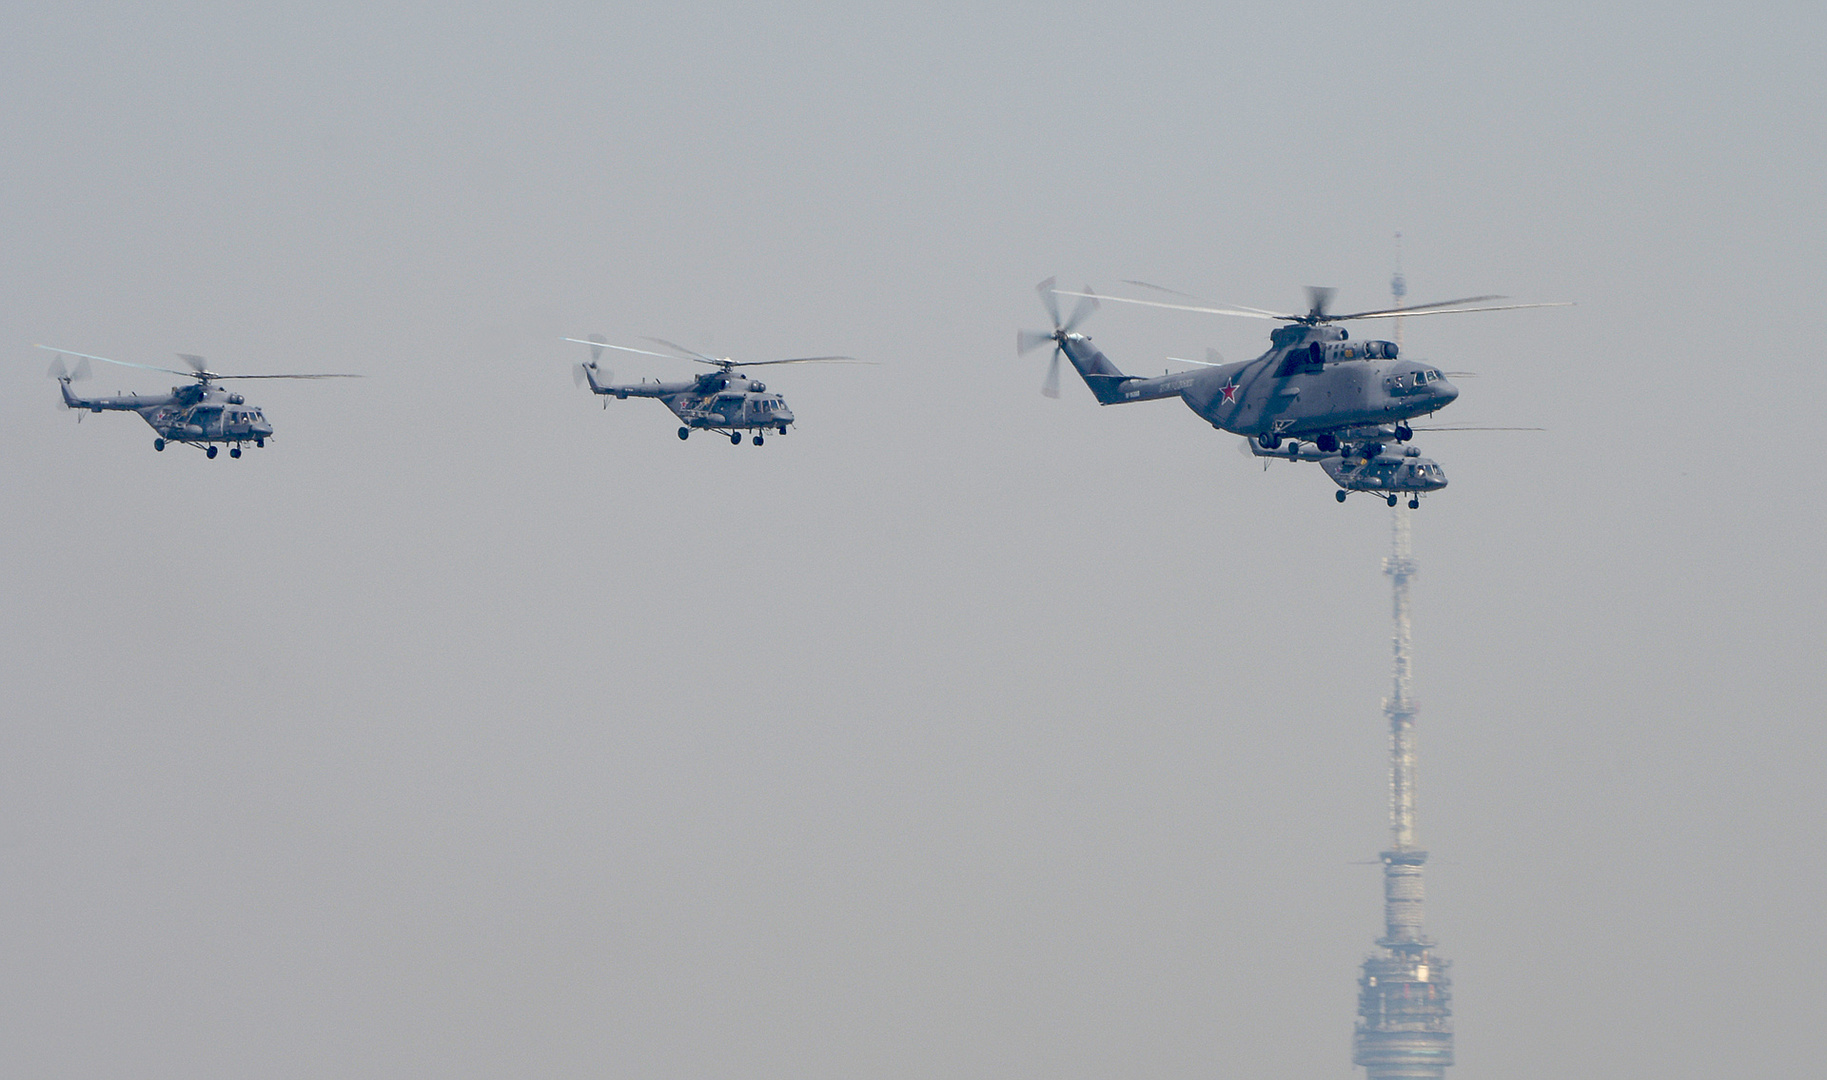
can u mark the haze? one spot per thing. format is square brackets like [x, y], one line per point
[470, 729]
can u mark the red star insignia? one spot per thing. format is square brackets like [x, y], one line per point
[1229, 390]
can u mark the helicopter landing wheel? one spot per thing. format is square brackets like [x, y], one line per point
[783, 429]
[258, 443]
[1414, 504]
[236, 452]
[158, 444]
[1339, 495]
[1404, 433]
[210, 453]
[684, 433]
[735, 438]
[758, 438]
[1391, 500]
[1268, 442]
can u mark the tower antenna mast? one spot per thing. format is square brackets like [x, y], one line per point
[1405, 1017]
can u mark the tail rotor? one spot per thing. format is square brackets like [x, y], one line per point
[67, 375]
[1026, 341]
[581, 373]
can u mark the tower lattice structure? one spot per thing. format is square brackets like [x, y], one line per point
[1405, 1025]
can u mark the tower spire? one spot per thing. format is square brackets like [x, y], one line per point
[1405, 1026]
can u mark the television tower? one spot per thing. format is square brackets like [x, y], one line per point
[1405, 1019]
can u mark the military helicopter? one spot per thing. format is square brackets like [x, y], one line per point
[1348, 399]
[1389, 469]
[722, 401]
[201, 414]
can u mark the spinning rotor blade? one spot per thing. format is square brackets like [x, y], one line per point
[596, 348]
[1200, 300]
[1026, 341]
[580, 374]
[81, 371]
[1214, 359]
[1318, 298]
[195, 362]
[796, 360]
[688, 353]
[1248, 313]
[1049, 298]
[212, 376]
[1444, 308]
[1087, 304]
[1050, 388]
[122, 363]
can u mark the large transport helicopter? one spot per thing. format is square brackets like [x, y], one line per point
[1315, 395]
[724, 401]
[201, 414]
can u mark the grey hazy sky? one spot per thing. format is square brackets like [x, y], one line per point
[472, 730]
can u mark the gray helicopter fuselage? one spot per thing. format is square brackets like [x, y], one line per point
[716, 401]
[199, 413]
[1378, 463]
[1313, 381]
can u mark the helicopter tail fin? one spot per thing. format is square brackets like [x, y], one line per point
[1096, 369]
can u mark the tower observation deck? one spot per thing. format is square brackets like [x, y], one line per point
[1405, 1025]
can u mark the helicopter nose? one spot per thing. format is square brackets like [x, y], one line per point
[1444, 391]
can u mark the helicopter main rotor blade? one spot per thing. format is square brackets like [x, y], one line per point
[796, 360]
[623, 348]
[1200, 299]
[122, 363]
[1248, 313]
[688, 353]
[1050, 388]
[1201, 363]
[213, 377]
[1436, 309]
